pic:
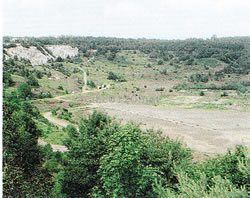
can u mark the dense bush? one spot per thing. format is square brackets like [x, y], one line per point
[91, 84]
[227, 86]
[7, 80]
[65, 114]
[115, 77]
[199, 78]
[24, 91]
[160, 62]
[86, 147]
[60, 87]
[38, 74]
[32, 81]
[160, 89]
[233, 166]
[106, 159]
[60, 67]
[24, 174]
[43, 94]
[59, 59]
[202, 93]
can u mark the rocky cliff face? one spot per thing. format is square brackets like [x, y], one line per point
[41, 56]
[62, 51]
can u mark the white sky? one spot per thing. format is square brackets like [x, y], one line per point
[165, 19]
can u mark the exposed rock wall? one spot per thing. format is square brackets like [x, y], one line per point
[32, 54]
[36, 57]
[62, 51]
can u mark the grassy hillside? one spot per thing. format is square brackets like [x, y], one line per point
[103, 157]
[215, 71]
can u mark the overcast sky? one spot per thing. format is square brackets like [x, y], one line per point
[165, 19]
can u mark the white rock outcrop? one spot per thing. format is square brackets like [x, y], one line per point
[32, 54]
[62, 51]
[36, 57]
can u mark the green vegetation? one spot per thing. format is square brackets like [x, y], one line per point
[24, 174]
[7, 80]
[115, 77]
[91, 84]
[106, 158]
[65, 114]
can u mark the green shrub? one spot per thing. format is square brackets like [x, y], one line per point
[115, 77]
[232, 166]
[86, 147]
[24, 91]
[54, 112]
[59, 59]
[60, 87]
[7, 80]
[164, 71]
[32, 81]
[202, 93]
[199, 78]
[188, 188]
[43, 94]
[65, 114]
[91, 84]
[159, 89]
[24, 174]
[224, 94]
[38, 74]
[160, 62]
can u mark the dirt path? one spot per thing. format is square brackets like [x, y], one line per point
[54, 120]
[201, 130]
[64, 97]
[55, 147]
[60, 123]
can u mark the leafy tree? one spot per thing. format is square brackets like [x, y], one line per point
[115, 77]
[189, 187]
[86, 147]
[202, 93]
[59, 59]
[91, 84]
[24, 175]
[123, 173]
[7, 80]
[24, 91]
[38, 74]
[160, 62]
[232, 162]
[60, 87]
[32, 81]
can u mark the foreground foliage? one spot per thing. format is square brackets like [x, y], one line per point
[24, 174]
[107, 159]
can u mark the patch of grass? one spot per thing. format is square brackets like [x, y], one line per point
[209, 106]
[212, 62]
[51, 134]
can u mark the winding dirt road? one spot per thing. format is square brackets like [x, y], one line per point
[60, 122]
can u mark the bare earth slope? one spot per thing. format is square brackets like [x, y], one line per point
[62, 51]
[36, 57]
[32, 54]
[201, 130]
